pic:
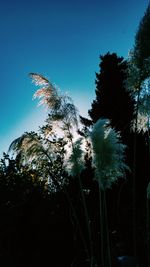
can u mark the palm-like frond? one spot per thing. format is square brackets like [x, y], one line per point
[16, 145]
[29, 146]
[41, 154]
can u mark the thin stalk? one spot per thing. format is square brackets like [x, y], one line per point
[148, 129]
[148, 209]
[105, 254]
[134, 176]
[101, 226]
[84, 207]
[147, 231]
[72, 207]
[107, 232]
[74, 214]
[87, 221]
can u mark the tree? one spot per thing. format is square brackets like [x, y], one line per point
[112, 101]
[139, 71]
[141, 51]
[138, 86]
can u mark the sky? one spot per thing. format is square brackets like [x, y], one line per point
[62, 40]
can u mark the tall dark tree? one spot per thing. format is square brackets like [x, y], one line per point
[141, 51]
[139, 77]
[139, 67]
[112, 100]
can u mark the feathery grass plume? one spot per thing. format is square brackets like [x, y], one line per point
[66, 116]
[144, 101]
[109, 163]
[138, 84]
[108, 154]
[144, 104]
[38, 79]
[75, 162]
[133, 82]
[48, 93]
[60, 106]
[141, 122]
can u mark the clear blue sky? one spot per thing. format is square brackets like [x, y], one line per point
[61, 39]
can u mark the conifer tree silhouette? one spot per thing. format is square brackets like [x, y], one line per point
[112, 99]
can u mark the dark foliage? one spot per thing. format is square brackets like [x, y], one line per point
[35, 227]
[112, 99]
[141, 50]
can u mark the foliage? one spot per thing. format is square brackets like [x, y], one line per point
[34, 225]
[141, 53]
[139, 71]
[18, 183]
[42, 154]
[138, 86]
[112, 101]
